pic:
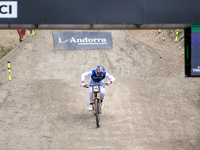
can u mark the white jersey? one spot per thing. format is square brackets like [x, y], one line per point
[86, 74]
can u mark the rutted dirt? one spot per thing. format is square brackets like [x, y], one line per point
[151, 105]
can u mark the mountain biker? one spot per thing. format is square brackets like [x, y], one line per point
[97, 76]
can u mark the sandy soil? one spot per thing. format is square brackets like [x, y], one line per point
[151, 105]
[9, 38]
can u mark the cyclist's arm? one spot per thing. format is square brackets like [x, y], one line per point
[86, 74]
[112, 78]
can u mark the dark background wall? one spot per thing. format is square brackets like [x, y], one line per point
[105, 12]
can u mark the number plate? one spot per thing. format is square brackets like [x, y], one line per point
[95, 88]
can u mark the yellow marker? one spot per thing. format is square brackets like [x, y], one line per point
[28, 32]
[176, 35]
[9, 70]
[59, 40]
[159, 31]
[33, 32]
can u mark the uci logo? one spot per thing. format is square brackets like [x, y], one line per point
[8, 9]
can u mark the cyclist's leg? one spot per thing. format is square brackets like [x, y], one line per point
[102, 92]
[91, 100]
[91, 96]
[91, 82]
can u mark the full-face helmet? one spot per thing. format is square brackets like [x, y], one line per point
[100, 70]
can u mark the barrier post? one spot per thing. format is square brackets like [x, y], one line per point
[9, 71]
[176, 35]
[20, 35]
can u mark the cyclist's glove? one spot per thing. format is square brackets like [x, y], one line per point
[82, 84]
[109, 82]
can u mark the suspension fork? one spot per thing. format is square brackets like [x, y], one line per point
[94, 96]
[100, 103]
[99, 97]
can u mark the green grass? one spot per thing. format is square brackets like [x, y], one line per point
[4, 50]
[169, 31]
[181, 31]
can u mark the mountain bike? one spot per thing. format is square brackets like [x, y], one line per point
[96, 101]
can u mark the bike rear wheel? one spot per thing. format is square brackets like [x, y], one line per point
[97, 112]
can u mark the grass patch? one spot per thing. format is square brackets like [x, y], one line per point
[181, 31]
[169, 32]
[4, 50]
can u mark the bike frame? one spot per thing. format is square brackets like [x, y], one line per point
[96, 96]
[99, 99]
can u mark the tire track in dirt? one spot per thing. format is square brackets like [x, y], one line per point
[46, 117]
[2, 96]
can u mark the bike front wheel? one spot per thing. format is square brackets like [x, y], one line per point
[97, 112]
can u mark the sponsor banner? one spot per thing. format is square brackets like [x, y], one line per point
[74, 40]
[8, 9]
[195, 50]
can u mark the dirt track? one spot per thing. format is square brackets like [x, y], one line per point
[149, 106]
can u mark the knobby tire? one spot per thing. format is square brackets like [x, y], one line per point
[97, 112]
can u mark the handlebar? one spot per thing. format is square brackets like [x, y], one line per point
[102, 84]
